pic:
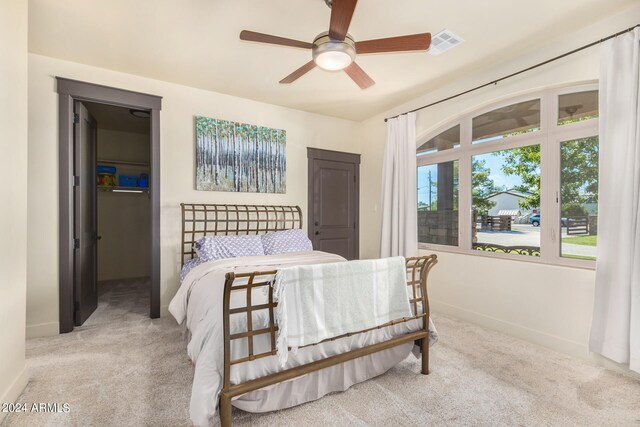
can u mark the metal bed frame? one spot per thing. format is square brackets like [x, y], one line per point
[214, 219]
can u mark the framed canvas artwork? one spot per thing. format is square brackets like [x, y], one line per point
[239, 157]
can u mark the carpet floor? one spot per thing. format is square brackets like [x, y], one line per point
[123, 369]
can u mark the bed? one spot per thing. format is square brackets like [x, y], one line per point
[228, 308]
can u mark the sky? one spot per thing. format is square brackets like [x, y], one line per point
[493, 162]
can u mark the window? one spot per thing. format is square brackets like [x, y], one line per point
[443, 141]
[507, 121]
[505, 189]
[523, 174]
[579, 198]
[576, 107]
[438, 203]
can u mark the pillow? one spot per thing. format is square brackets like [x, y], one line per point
[237, 246]
[281, 242]
[205, 247]
[219, 247]
[190, 265]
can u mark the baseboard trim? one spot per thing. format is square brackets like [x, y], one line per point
[553, 342]
[53, 328]
[15, 389]
[43, 330]
[559, 344]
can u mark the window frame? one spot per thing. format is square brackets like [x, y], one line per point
[549, 137]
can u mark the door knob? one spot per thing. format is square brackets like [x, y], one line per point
[317, 223]
[316, 233]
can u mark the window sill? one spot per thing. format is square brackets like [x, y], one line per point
[568, 263]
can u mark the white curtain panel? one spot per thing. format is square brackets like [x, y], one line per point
[615, 331]
[399, 189]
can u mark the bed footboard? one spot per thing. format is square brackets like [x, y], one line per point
[417, 273]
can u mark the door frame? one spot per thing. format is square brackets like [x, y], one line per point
[334, 156]
[68, 92]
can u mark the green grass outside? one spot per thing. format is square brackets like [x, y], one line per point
[590, 258]
[581, 240]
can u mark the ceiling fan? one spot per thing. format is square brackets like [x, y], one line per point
[336, 50]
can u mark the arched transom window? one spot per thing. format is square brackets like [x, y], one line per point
[516, 179]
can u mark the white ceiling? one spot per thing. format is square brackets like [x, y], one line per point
[195, 43]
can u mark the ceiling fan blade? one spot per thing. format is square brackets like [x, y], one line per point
[252, 36]
[299, 73]
[395, 44]
[341, 14]
[358, 75]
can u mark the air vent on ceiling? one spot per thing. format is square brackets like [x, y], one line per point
[443, 41]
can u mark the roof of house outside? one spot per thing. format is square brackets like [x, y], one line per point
[511, 191]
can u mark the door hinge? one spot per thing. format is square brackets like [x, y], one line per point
[76, 243]
[75, 180]
[76, 118]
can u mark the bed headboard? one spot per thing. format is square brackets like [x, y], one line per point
[200, 220]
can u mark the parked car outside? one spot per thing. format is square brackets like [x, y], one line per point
[535, 221]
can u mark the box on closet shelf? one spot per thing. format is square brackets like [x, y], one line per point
[128, 181]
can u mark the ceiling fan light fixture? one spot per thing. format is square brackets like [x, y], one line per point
[333, 60]
[333, 55]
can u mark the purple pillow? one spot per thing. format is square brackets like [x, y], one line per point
[188, 266]
[286, 241]
[206, 248]
[237, 246]
[220, 247]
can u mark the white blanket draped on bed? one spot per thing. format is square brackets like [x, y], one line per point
[318, 302]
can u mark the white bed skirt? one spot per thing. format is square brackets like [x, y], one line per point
[314, 385]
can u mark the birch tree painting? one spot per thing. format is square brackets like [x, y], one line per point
[239, 157]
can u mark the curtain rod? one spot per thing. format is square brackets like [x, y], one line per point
[495, 82]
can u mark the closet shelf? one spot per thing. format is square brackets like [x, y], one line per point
[133, 190]
[122, 162]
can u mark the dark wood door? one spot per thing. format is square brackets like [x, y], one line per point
[333, 202]
[85, 215]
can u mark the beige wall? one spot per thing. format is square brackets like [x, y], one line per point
[129, 146]
[124, 219]
[13, 208]
[546, 304]
[179, 106]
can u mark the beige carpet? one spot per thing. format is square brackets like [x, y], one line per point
[123, 369]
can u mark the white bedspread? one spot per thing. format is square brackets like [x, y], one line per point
[199, 302]
[199, 305]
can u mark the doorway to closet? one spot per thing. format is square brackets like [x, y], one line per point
[109, 204]
[122, 213]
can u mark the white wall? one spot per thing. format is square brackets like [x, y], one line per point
[124, 251]
[545, 304]
[13, 206]
[507, 202]
[179, 106]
